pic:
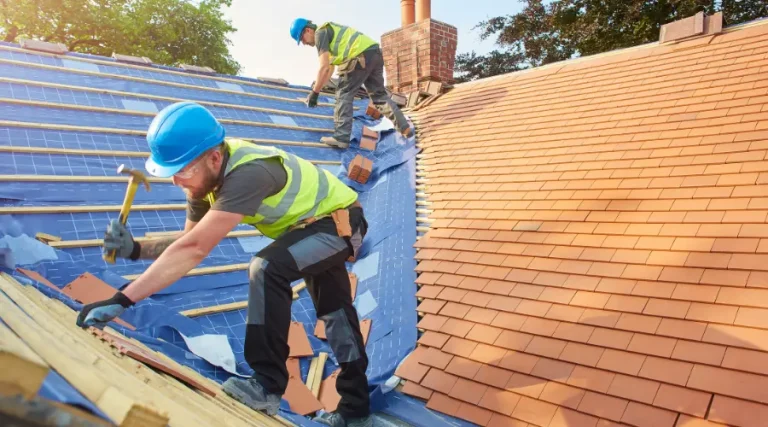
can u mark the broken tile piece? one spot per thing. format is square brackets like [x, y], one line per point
[300, 398]
[365, 329]
[329, 396]
[293, 366]
[298, 341]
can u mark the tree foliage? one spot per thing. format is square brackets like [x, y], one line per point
[169, 32]
[550, 31]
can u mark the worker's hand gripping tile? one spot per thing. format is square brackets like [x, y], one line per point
[369, 139]
[360, 169]
[88, 289]
[298, 341]
[373, 111]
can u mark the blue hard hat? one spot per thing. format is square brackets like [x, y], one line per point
[297, 28]
[179, 134]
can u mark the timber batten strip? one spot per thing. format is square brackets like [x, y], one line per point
[85, 152]
[21, 316]
[205, 270]
[65, 244]
[181, 405]
[151, 81]
[22, 367]
[161, 98]
[231, 306]
[87, 208]
[154, 69]
[117, 131]
[76, 107]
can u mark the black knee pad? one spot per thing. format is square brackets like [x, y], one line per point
[341, 336]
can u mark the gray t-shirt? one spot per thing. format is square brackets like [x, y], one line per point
[243, 190]
[323, 37]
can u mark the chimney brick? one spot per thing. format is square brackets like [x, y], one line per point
[436, 44]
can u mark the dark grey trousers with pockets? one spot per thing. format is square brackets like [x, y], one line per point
[317, 254]
[372, 77]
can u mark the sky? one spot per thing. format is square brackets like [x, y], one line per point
[263, 47]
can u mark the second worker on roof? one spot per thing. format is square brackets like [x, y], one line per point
[359, 63]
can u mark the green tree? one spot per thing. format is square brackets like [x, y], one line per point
[169, 32]
[556, 30]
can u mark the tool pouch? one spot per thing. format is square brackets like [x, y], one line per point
[344, 229]
[341, 218]
[349, 66]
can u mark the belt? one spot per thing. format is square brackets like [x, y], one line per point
[343, 226]
[340, 217]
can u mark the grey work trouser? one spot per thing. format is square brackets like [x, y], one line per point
[317, 254]
[372, 77]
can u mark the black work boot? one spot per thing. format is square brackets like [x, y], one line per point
[333, 142]
[334, 419]
[250, 393]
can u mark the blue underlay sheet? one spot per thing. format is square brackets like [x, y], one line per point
[212, 344]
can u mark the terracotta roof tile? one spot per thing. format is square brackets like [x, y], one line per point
[598, 255]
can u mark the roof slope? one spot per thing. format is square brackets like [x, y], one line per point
[68, 121]
[599, 248]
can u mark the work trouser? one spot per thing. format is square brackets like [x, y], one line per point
[368, 72]
[317, 254]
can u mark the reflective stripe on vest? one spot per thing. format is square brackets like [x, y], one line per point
[309, 190]
[349, 40]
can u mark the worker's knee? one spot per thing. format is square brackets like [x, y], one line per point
[341, 336]
[256, 269]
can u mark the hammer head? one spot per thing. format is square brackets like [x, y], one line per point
[136, 176]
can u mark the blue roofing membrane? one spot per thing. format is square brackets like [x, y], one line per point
[44, 96]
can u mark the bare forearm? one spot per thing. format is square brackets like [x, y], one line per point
[323, 75]
[171, 266]
[152, 249]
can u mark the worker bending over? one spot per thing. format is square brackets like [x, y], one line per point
[231, 181]
[359, 63]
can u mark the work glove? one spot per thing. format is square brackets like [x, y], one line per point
[120, 239]
[99, 313]
[312, 99]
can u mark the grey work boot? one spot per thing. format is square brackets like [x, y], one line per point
[334, 419]
[250, 393]
[333, 142]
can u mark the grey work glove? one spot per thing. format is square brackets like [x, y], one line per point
[311, 100]
[99, 313]
[118, 238]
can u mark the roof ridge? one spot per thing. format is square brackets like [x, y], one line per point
[579, 59]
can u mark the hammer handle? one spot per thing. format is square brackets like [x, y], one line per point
[123, 218]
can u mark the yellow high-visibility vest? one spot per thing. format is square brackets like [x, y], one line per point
[309, 190]
[346, 43]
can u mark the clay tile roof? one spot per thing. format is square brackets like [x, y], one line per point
[598, 251]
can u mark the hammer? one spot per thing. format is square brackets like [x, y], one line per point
[133, 183]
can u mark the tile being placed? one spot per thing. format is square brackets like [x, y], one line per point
[88, 289]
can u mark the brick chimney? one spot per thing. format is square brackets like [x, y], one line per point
[420, 51]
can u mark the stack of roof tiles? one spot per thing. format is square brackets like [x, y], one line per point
[599, 250]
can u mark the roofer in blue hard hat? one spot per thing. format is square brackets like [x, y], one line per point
[359, 62]
[317, 225]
